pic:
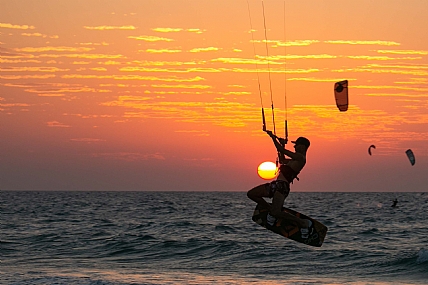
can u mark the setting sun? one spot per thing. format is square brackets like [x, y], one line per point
[267, 170]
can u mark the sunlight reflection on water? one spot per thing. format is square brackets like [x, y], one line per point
[181, 278]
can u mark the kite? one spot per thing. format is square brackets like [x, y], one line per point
[370, 148]
[411, 156]
[341, 95]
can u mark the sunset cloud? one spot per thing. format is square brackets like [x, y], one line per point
[34, 69]
[98, 68]
[16, 77]
[354, 123]
[110, 62]
[90, 116]
[291, 56]
[275, 60]
[167, 30]
[8, 53]
[421, 52]
[175, 30]
[170, 70]
[218, 70]
[204, 49]
[19, 27]
[51, 95]
[50, 48]
[94, 44]
[56, 89]
[134, 77]
[35, 85]
[313, 79]
[180, 86]
[390, 87]
[383, 70]
[239, 93]
[163, 50]
[414, 81]
[236, 115]
[381, 43]
[287, 43]
[400, 66]
[4, 60]
[150, 38]
[83, 55]
[165, 63]
[397, 95]
[236, 60]
[367, 57]
[197, 31]
[274, 70]
[14, 104]
[56, 124]
[39, 35]
[104, 28]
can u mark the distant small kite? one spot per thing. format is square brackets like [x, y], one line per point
[411, 156]
[370, 148]
[341, 95]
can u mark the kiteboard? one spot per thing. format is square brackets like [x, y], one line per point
[318, 231]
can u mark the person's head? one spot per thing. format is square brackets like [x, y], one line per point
[301, 144]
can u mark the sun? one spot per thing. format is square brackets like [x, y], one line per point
[267, 170]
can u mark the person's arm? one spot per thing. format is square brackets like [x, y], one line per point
[281, 149]
[283, 159]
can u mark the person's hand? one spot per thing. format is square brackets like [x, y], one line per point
[282, 141]
[270, 133]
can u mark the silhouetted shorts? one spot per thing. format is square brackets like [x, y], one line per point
[281, 186]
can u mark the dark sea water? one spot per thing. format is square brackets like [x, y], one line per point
[106, 238]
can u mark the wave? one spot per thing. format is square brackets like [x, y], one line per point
[208, 235]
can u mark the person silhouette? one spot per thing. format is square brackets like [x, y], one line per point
[279, 189]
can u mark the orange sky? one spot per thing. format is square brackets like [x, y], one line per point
[163, 95]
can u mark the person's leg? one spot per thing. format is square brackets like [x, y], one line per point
[276, 211]
[257, 193]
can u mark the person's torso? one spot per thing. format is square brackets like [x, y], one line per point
[290, 170]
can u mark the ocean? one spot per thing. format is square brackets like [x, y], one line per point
[158, 238]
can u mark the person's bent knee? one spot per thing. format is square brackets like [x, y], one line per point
[252, 195]
[255, 192]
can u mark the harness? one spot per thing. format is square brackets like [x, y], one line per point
[289, 173]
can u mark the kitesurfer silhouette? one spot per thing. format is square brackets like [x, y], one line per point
[279, 189]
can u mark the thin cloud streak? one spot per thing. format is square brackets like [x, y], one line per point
[106, 28]
[356, 42]
[150, 38]
[19, 27]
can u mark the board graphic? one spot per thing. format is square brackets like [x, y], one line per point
[282, 227]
